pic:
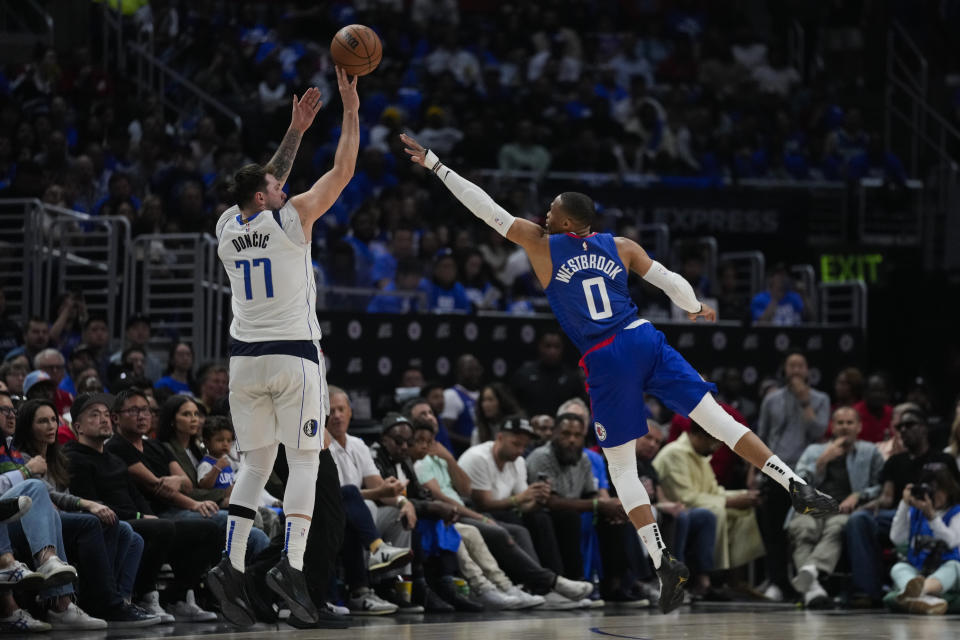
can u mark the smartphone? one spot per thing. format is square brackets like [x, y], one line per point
[542, 477]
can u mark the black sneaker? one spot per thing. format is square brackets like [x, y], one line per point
[449, 592]
[129, 616]
[428, 598]
[12, 509]
[290, 584]
[227, 586]
[673, 575]
[261, 598]
[326, 619]
[808, 501]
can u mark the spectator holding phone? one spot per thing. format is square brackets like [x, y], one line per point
[927, 522]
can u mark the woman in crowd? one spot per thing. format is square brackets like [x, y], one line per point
[495, 405]
[928, 522]
[178, 377]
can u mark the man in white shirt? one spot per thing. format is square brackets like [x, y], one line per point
[498, 479]
[360, 486]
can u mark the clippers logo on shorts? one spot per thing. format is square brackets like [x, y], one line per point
[310, 428]
[601, 432]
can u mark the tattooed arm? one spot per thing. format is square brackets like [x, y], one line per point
[313, 203]
[304, 111]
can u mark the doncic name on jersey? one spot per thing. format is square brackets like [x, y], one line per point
[249, 240]
[593, 261]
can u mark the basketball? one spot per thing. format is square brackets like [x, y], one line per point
[357, 49]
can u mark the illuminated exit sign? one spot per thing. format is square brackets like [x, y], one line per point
[838, 267]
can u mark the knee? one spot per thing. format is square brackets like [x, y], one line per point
[35, 489]
[859, 521]
[702, 517]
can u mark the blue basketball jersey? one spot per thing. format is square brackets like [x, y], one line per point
[588, 288]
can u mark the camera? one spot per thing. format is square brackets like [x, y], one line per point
[920, 491]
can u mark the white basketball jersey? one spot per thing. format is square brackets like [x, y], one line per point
[271, 275]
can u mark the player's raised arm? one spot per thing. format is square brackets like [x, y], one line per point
[304, 111]
[523, 232]
[673, 284]
[313, 203]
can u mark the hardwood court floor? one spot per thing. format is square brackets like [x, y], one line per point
[714, 623]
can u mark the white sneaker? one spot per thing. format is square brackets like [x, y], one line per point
[56, 572]
[526, 600]
[367, 603]
[806, 576]
[20, 576]
[73, 617]
[588, 603]
[387, 556]
[151, 604]
[337, 609]
[20, 621]
[187, 610]
[494, 599]
[573, 589]
[773, 593]
[927, 604]
[815, 595]
[555, 601]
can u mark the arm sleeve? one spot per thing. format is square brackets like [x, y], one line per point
[471, 196]
[675, 286]
[900, 528]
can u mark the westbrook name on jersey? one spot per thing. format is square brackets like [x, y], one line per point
[267, 259]
[588, 289]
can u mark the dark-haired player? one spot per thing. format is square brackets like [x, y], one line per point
[584, 275]
[278, 393]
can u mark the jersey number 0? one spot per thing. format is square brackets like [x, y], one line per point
[267, 276]
[605, 310]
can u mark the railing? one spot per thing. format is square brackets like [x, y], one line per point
[15, 266]
[906, 68]
[843, 304]
[890, 219]
[807, 276]
[750, 268]
[176, 280]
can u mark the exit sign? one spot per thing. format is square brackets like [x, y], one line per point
[839, 267]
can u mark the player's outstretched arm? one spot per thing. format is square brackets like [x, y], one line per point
[315, 202]
[523, 232]
[673, 284]
[304, 111]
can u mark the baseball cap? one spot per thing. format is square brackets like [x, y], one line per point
[81, 349]
[518, 425]
[393, 419]
[86, 400]
[33, 378]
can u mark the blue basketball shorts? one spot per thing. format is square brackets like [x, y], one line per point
[634, 361]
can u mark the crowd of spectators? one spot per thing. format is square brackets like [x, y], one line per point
[496, 484]
[692, 91]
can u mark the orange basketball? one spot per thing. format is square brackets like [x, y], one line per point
[357, 49]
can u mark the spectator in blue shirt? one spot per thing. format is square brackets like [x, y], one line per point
[777, 305]
[409, 279]
[876, 163]
[445, 294]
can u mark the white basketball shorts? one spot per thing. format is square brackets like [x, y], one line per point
[278, 396]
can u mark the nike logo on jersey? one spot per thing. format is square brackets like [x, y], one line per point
[249, 240]
[592, 261]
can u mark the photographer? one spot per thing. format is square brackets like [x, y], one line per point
[927, 522]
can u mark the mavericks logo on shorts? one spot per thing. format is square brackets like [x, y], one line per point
[601, 432]
[310, 428]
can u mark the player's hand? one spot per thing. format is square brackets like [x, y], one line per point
[348, 90]
[414, 149]
[305, 109]
[706, 312]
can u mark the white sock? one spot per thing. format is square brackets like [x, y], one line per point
[238, 530]
[653, 541]
[775, 468]
[295, 540]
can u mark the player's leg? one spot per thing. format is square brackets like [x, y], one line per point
[299, 392]
[685, 391]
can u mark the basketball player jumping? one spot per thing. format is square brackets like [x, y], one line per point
[584, 275]
[278, 392]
